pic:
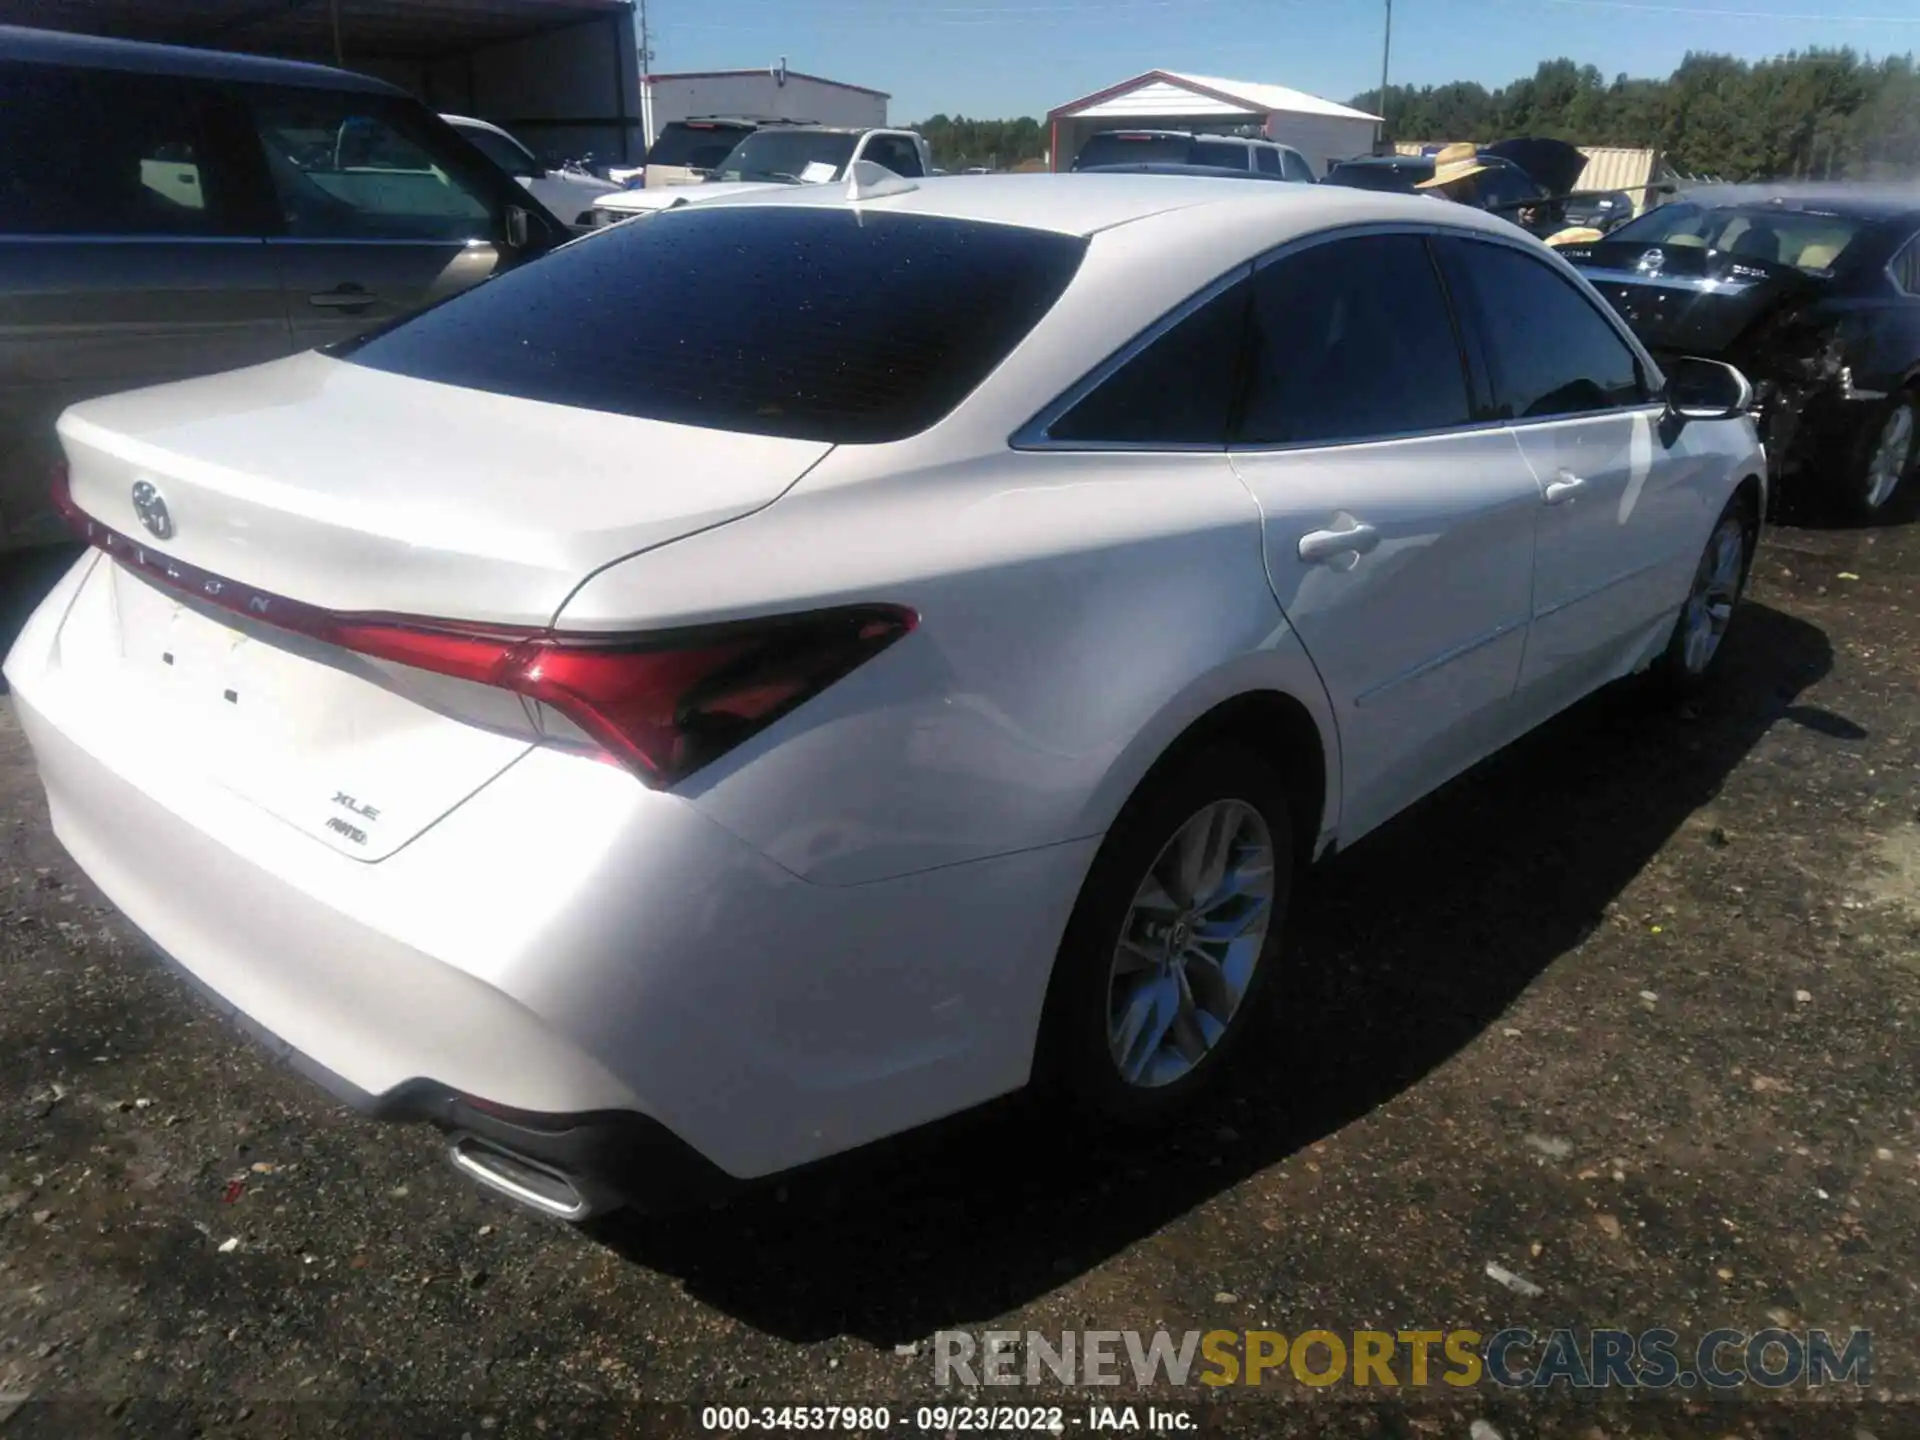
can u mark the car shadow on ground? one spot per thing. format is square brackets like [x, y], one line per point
[1401, 953]
[25, 577]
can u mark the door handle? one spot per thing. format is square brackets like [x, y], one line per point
[344, 297]
[1565, 488]
[1318, 547]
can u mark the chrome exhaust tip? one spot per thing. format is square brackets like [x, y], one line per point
[534, 1185]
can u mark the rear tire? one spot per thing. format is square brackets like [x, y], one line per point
[1692, 657]
[1885, 454]
[1174, 940]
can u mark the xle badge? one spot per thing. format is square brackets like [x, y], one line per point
[347, 828]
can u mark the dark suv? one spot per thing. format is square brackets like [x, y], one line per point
[168, 212]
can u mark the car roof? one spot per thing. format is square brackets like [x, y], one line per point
[54, 47]
[1085, 203]
[1860, 202]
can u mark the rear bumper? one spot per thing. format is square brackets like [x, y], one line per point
[566, 945]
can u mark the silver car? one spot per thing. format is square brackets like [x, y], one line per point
[167, 213]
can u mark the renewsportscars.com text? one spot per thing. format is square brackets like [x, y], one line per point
[1659, 1358]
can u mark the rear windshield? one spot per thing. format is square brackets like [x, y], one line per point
[814, 323]
[1375, 177]
[1120, 148]
[787, 155]
[1219, 152]
[693, 145]
[1757, 232]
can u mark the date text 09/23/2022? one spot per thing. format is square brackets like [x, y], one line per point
[949, 1419]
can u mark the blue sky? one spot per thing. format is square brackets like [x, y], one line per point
[999, 58]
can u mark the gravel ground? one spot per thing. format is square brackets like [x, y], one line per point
[1628, 1011]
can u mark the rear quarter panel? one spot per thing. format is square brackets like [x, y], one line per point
[1078, 611]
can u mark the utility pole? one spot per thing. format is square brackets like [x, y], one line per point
[646, 82]
[1386, 55]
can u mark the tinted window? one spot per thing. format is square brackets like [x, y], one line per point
[820, 324]
[1268, 161]
[1179, 390]
[1295, 167]
[1378, 177]
[1126, 147]
[85, 153]
[694, 144]
[1219, 152]
[1906, 268]
[349, 166]
[503, 152]
[895, 152]
[1549, 350]
[1352, 340]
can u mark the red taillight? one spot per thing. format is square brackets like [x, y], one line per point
[662, 704]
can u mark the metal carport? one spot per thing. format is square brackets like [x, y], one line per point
[564, 75]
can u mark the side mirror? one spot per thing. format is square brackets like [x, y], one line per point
[519, 227]
[1706, 390]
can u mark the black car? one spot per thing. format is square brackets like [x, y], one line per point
[1814, 293]
[1522, 179]
[1215, 172]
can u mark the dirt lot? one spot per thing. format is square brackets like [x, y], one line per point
[1629, 1011]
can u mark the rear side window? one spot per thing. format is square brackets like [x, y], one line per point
[1219, 152]
[817, 323]
[1549, 349]
[88, 153]
[1178, 390]
[1352, 341]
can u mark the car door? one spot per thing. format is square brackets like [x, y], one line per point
[380, 211]
[1397, 524]
[1624, 511]
[128, 256]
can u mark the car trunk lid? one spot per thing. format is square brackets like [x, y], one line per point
[1686, 299]
[315, 487]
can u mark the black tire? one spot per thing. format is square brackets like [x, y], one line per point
[1075, 1061]
[1677, 674]
[1858, 496]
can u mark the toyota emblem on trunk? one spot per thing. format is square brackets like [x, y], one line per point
[152, 510]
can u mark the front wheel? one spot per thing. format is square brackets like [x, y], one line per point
[1719, 580]
[1174, 939]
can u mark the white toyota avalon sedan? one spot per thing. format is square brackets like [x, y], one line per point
[768, 676]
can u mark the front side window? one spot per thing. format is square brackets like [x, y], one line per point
[349, 166]
[1549, 350]
[86, 152]
[1352, 340]
[1179, 390]
[1296, 167]
[810, 322]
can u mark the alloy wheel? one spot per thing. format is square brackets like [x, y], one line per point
[1716, 590]
[1188, 947]
[1887, 466]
